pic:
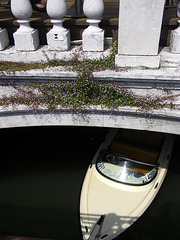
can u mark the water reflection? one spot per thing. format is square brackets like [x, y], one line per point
[40, 180]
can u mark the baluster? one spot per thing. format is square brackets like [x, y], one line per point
[93, 36]
[58, 38]
[175, 40]
[175, 35]
[26, 38]
[4, 39]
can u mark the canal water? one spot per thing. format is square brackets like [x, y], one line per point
[41, 173]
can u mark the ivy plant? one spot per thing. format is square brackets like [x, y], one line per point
[81, 92]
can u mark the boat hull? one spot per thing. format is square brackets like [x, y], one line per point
[107, 208]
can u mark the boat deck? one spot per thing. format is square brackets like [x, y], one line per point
[139, 145]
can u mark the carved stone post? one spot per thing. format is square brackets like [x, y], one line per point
[93, 36]
[26, 38]
[139, 33]
[58, 38]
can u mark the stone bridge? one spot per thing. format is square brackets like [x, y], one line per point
[145, 67]
[165, 81]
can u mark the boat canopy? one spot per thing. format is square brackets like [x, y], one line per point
[123, 169]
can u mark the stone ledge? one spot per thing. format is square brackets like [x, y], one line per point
[166, 76]
[138, 77]
[164, 120]
[38, 75]
[129, 77]
[43, 54]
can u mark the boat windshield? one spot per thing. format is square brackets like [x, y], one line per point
[125, 170]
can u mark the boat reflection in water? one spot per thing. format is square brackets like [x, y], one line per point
[122, 180]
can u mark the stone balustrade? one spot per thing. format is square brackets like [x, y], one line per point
[138, 39]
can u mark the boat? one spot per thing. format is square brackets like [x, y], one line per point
[122, 180]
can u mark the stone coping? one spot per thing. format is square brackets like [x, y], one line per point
[43, 54]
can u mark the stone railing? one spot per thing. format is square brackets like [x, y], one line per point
[58, 38]
[139, 30]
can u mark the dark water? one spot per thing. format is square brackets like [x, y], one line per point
[41, 173]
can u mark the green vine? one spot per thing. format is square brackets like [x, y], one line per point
[80, 93]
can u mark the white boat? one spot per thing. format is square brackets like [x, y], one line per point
[122, 180]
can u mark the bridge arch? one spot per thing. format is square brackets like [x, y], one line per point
[159, 121]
